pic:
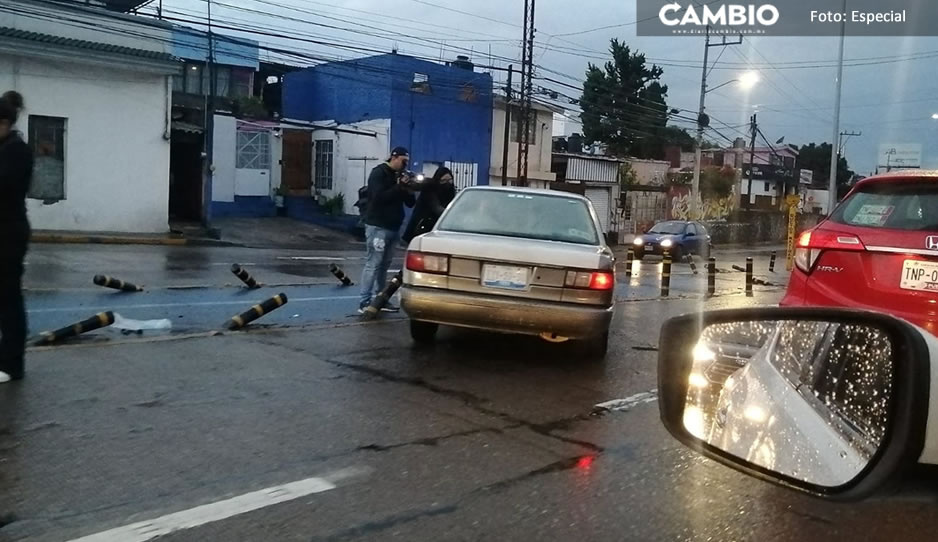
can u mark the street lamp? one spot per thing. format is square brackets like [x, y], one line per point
[747, 80]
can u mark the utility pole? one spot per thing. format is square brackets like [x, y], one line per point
[209, 127]
[702, 119]
[753, 125]
[527, 89]
[507, 127]
[843, 142]
[832, 183]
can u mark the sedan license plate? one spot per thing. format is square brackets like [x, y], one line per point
[507, 277]
[919, 275]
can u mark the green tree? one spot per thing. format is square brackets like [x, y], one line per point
[624, 106]
[817, 158]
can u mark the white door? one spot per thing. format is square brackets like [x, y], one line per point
[253, 163]
[600, 198]
[464, 174]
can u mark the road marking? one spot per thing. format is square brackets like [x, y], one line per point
[622, 405]
[314, 258]
[217, 511]
[293, 300]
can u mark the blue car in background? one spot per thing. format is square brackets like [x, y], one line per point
[681, 237]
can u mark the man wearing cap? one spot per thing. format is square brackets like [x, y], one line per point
[387, 195]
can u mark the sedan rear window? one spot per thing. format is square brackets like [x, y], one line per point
[521, 214]
[897, 206]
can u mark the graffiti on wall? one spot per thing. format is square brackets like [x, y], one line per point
[710, 209]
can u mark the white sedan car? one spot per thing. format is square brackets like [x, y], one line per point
[513, 260]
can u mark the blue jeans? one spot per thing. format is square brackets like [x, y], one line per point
[380, 250]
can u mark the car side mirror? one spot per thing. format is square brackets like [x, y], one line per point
[829, 402]
[691, 234]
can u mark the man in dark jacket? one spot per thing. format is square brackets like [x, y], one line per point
[387, 195]
[16, 169]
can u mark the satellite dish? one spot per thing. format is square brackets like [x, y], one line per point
[780, 140]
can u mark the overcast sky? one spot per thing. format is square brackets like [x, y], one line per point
[889, 101]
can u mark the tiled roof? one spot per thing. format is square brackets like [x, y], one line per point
[49, 39]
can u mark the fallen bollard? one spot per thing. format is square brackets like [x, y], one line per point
[666, 275]
[748, 277]
[740, 269]
[371, 311]
[772, 263]
[711, 277]
[334, 269]
[245, 277]
[690, 261]
[97, 321]
[255, 312]
[629, 258]
[111, 282]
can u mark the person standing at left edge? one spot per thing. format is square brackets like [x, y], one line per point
[387, 195]
[16, 171]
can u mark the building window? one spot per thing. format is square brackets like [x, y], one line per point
[253, 150]
[193, 76]
[516, 127]
[767, 187]
[242, 83]
[421, 83]
[47, 141]
[323, 164]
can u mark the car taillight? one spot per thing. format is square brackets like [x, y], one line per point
[427, 263]
[590, 280]
[812, 243]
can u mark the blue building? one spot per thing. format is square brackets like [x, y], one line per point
[441, 112]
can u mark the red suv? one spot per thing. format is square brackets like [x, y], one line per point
[878, 250]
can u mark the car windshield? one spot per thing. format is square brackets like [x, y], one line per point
[526, 215]
[897, 206]
[669, 228]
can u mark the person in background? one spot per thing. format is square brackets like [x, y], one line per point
[435, 195]
[388, 192]
[16, 171]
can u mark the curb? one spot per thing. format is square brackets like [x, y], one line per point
[77, 239]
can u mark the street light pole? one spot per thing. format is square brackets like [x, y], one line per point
[695, 185]
[832, 183]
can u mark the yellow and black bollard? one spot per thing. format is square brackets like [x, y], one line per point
[711, 276]
[111, 282]
[245, 277]
[666, 275]
[343, 278]
[97, 321]
[629, 258]
[772, 263]
[255, 312]
[371, 311]
[690, 261]
[749, 277]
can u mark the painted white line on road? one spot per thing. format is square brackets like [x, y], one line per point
[217, 511]
[292, 300]
[622, 405]
[314, 258]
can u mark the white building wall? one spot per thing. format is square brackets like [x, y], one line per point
[539, 154]
[354, 156]
[116, 156]
[223, 158]
[650, 172]
[84, 23]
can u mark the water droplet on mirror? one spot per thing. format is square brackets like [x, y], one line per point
[843, 455]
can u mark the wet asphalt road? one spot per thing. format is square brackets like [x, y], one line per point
[477, 438]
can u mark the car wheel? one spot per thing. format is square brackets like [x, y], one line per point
[423, 332]
[597, 347]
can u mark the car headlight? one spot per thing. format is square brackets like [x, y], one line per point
[638, 242]
[667, 243]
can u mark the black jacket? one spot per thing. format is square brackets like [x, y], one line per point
[386, 199]
[430, 205]
[16, 173]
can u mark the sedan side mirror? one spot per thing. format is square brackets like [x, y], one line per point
[830, 402]
[691, 234]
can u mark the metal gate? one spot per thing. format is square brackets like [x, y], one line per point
[464, 174]
[643, 207]
[600, 198]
